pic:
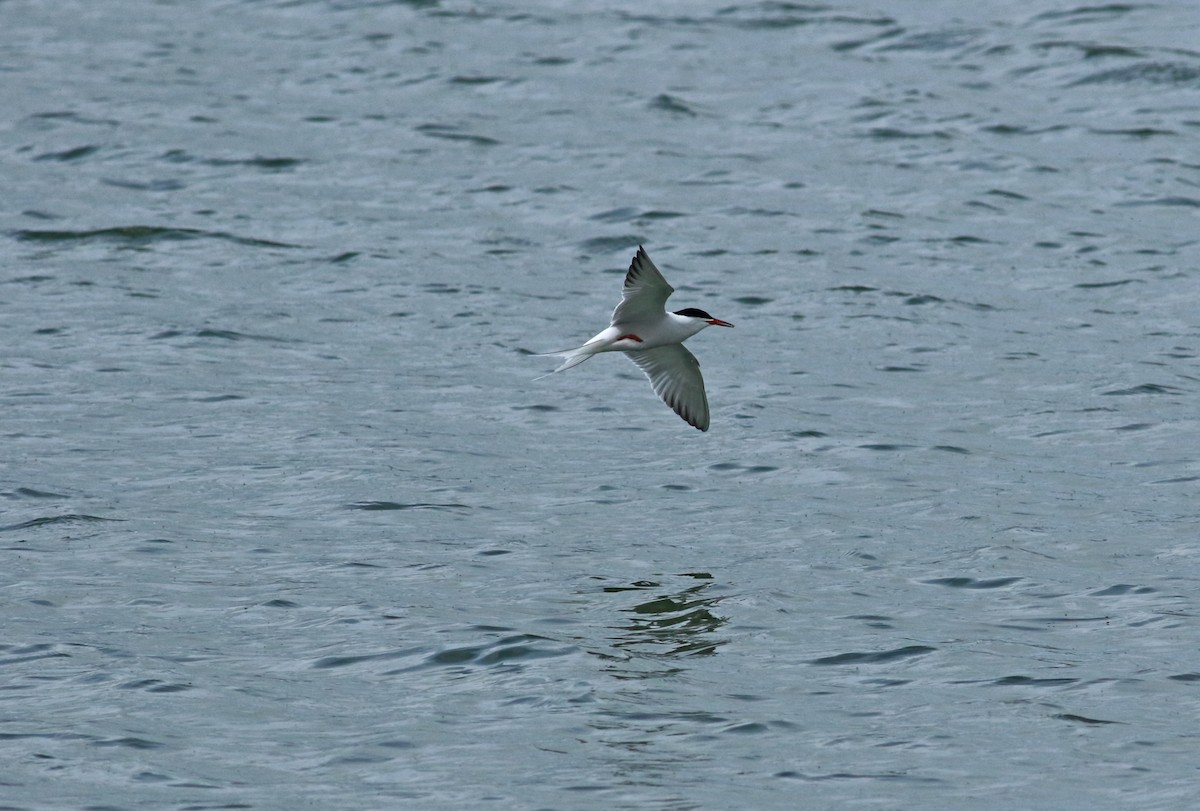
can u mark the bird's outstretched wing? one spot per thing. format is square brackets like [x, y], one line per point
[675, 374]
[646, 292]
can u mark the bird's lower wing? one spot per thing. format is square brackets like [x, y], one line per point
[675, 374]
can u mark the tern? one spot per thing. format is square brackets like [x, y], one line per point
[653, 338]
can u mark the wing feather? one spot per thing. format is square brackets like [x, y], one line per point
[646, 292]
[675, 375]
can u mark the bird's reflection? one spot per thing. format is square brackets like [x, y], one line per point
[672, 623]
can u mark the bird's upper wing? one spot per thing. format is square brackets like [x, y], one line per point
[675, 374]
[646, 292]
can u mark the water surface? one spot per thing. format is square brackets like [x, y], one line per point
[287, 522]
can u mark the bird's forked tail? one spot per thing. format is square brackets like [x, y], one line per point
[574, 357]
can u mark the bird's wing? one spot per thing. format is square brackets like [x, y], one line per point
[646, 292]
[675, 374]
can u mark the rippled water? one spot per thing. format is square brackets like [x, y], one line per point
[286, 521]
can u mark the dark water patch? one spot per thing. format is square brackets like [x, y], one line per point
[879, 239]
[775, 16]
[20, 654]
[29, 492]
[736, 467]
[1065, 620]
[1185, 677]
[541, 407]
[682, 623]
[900, 369]
[1145, 388]
[880, 618]
[973, 583]
[256, 162]
[1014, 129]
[888, 777]
[474, 81]
[334, 662]
[952, 449]
[155, 546]
[892, 31]
[1090, 50]
[75, 118]
[623, 214]
[853, 288]
[946, 39]
[897, 134]
[154, 686]
[129, 743]
[69, 154]
[916, 301]
[491, 553]
[1089, 14]
[509, 651]
[1179, 480]
[215, 398]
[1081, 719]
[1170, 202]
[1007, 195]
[157, 777]
[1121, 589]
[743, 211]
[1134, 132]
[605, 245]
[136, 235]
[145, 185]
[452, 133]
[1177, 74]
[55, 519]
[395, 505]
[666, 103]
[34, 279]
[233, 335]
[886, 447]
[1029, 681]
[637, 585]
[876, 658]
[280, 603]
[1101, 285]
[808, 434]
[753, 301]
[628, 213]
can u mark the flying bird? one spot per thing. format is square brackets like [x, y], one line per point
[653, 338]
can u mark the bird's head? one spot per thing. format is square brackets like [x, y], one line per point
[697, 315]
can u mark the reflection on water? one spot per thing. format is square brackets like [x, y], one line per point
[669, 624]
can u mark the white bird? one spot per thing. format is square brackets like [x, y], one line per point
[653, 338]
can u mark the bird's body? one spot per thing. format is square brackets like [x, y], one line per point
[653, 339]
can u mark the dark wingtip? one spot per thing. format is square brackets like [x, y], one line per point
[632, 273]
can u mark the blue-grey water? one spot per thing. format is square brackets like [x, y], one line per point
[286, 522]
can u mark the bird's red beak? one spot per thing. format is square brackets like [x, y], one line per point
[716, 322]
